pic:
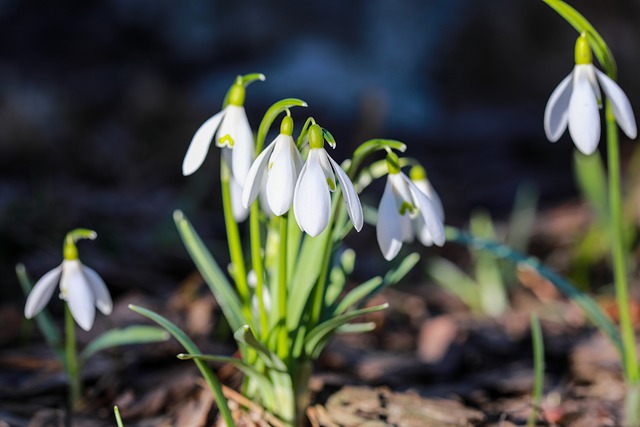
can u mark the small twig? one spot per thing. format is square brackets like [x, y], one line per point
[231, 394]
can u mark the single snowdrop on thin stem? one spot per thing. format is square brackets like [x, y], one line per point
[80, 287]
[577, 99]
[405, 211]
[279, 165]
[312, 197]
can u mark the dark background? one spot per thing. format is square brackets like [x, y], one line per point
[99, 100]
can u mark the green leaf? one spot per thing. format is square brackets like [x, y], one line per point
[338, 276]
[271, 115]
[265, 386]
[116, 412]
[43, 319]
[319, 335]
[192, 348]
[124, 336]
[329, 138]
[580, 23]
[246, 336]
[305, 275]
[394, 276]
[356, 328]
[364, 290]
[584, 301]
[455, 280]
[211, 272]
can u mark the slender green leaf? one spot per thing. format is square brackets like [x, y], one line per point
[192, 348]
[43, 319]
[580, 23]
[395, 275]
[321, 333]
[538, 368]
[211, 272]
[265, 386]
[305, 276]
[116, 412]
[356, 328]
[130, 335]
[246, 336]
[364, 290]
[338, 276]
[584, 301]
[453, 279]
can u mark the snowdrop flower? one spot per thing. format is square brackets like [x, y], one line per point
[232, 133]
[576, 100]
[312, 198]
[80, 286]
[405, 210]
[279, 165]
[419, 177]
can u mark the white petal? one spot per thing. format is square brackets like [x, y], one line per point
[584, 120]
[103, 298]
[354, 208]
[236, 125]
[556, 113]
[420, 229]
[200, 144]
[403, 195]
[327, 169]
[311, 200]
[621, 105]
[425, 186]
[425, 206]
[78, 294]
[282, 176]
[240, 213]
[41, 293]
[389, 229]
[253, 182]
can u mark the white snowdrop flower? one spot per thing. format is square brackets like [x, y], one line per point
[419, 177]
[232, 133]
[577, 99]
[278, 166]
[80, 286]
[312, 199]
[405, 210]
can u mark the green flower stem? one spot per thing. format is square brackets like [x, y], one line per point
[73, 368]
[538, 369]
[318, 295]
[283, 334]
[258, 266]
[618, 249]
[233, 238]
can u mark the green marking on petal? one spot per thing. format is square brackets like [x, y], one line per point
[406, 206]
[332, 184]
[226, 140]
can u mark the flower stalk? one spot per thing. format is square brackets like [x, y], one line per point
[71, 359]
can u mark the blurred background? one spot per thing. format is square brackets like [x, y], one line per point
[99, 101]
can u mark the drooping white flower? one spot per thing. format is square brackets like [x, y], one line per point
[232, 132]
[312, 199]
[279, 166]
[80, 286]
[419, 177]
[577, 99]
[405, 210]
